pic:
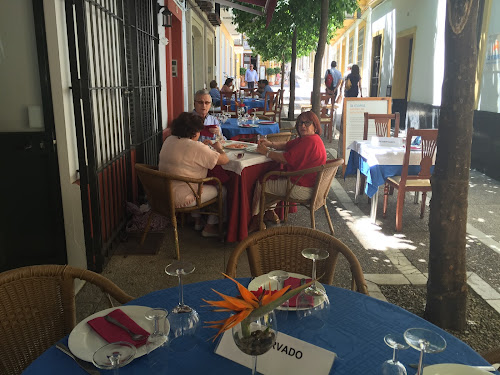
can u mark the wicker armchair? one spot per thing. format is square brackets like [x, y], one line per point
[492, 356]
[279, 137]
[158, 187]
[37, 309]
[280, 248]
[324, 177]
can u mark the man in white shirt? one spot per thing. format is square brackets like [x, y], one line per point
[251, 77]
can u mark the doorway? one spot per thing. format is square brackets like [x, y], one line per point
[403, 67]
[376, 60]
[31, 220]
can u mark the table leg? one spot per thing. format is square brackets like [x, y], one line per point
[415, 199]
[373, 210]
[358, 182]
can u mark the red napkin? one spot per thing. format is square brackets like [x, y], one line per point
[112, 333]
[294, 283]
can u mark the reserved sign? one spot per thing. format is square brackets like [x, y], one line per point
[387, 141]
[289, 356]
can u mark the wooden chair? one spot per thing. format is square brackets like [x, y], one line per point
[279, 108]
[270, 105]
[418, 183]
[226, 99]
[158, 188]
[245, 92]
[327, 116]
[382, 124]
[324, 177]
[492, 356]
[37, 309]
[279, 137]
[280, 248]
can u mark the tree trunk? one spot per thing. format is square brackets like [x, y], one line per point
[291, 106]
[447, 284]
[318, 59]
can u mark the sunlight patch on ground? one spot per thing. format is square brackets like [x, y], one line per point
[370, 235]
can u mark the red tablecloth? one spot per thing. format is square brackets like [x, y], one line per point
[239, 199]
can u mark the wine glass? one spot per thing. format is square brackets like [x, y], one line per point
[280, 276]
[159, 336]
[256, 336]
[314, 254]
[183, 320]
[393, 366]
[114, 355]
[426, 341]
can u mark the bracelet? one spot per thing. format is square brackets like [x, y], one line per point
[267, 153]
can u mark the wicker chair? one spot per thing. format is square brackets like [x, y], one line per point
[37, 309]
[279, 137]
[324, 177]
[280, 248]
[158, 187]
[492, 356]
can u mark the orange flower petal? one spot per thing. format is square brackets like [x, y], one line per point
[268, 298]
[239, 303]
[245, 293]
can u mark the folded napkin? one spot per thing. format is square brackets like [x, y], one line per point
[294, 283]
[112, 333]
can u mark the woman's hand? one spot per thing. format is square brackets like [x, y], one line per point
[262, 148]
[265, 142]
[218, 147]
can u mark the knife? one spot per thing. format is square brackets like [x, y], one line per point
[484, 368]
[88, 367]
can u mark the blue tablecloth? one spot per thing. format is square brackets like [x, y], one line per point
[249, 103]
[355, 331]
[376, 174]
[230, 129]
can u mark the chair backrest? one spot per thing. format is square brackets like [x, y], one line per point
[280, 248]
[158, 188]
[382, 124]
[279, 137]
[324, 182]
[37, 309]
[271, 102]
[428, 147]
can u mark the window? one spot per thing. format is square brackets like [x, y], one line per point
[351, 48]
[361, 42]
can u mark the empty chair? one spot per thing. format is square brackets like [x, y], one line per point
[382, 124]
[270, 105]
[37, 309]
[158, 188]
[229, 102]
[418, 183]
[324, 177]
[327, 117]
[280, 249]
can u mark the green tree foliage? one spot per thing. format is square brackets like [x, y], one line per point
[299, 16]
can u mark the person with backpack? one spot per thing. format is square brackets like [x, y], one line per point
[333, 79]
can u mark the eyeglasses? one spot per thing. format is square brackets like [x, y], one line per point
[202, 102]
[306, 123]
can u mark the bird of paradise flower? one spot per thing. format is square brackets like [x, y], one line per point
[248, 305]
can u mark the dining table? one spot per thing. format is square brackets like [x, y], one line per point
[231, 128]
[249, 103]
[378, 162]
[243, 174]
[354, 330]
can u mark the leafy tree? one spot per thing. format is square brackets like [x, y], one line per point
[293, 32]
[447, 285]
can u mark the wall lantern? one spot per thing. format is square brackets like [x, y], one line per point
[167, 18]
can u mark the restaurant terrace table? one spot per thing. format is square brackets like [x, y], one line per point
[231, 129]
[249, 103]
[355, 331]
[378, 163]
[244, 173]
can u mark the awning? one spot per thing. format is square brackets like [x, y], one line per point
[267, 5]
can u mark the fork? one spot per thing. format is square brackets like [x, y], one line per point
[134, 336]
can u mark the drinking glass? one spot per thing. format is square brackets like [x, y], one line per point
[393, 366]
[426, 341]
[313, 302]
[183, 319]
[114, 355]
[280, 276]
[256, 336]
[159, 336]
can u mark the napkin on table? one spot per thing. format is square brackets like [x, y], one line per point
[112, 333]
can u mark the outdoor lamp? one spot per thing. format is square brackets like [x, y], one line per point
[167, 18]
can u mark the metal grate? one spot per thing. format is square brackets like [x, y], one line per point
[114, 62]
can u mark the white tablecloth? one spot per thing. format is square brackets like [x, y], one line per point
[384, 155]
[250, 158]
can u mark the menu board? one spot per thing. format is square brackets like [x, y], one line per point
[353, 119]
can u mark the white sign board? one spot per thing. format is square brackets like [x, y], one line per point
[354, 119]
[288, 356]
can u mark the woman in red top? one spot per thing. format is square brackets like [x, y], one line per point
[306, 151]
